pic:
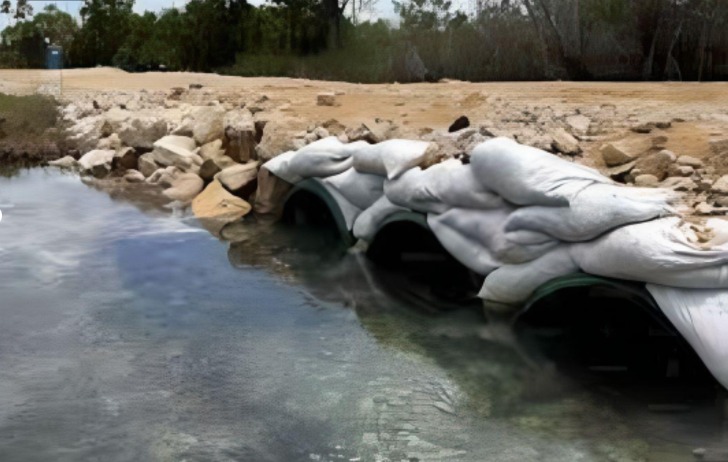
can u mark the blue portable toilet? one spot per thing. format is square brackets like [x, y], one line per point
[54, 57]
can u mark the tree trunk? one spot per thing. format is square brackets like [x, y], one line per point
[670, 59]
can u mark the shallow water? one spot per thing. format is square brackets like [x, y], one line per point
[129, 335]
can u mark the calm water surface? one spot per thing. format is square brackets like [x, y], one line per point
[133, 336]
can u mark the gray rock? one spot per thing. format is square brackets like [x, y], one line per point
[141, 132]
[175, 150]
[96, 159]
[184, 188]
[146, 164]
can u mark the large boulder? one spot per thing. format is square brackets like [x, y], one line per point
[622, 152]
[209, 123]
[215, 207]
[240, 135]
[278, 137]
[141, 131]
[240, 179]
[98, 162]
[176, 150]
[270, 194]
[185, 187]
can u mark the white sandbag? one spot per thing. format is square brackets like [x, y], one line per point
[321, 159]
[514, 284]
[528, 176]
[593, 211]
[391, 158]
[701, 317]
[370, 220]
[439, 188]
[664, 251]
[477, 240]
[361, 189]
[280, 167]
[348, 210]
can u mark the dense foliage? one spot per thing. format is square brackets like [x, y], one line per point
[496, 40]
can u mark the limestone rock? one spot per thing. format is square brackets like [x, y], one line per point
[175, 150]
[240, 135]
[270, 194]
[679, 184]
[656, 164]
[98, 162]
[134, 176]
[209, 124]
[146, 164]
[212, 167]
[620, 172]
[565, 143]
[720, 186]
[211, 150]
[326, 99]
[277, 138]
[125, 158]
[690, 161]
[579, 124]
[141, 132]
[110, 142]
[646, 180]
[164, 176]
[65, 162]
[719, 146]
[184, 187]
[240, 179]
[215, 207]
[622, 152]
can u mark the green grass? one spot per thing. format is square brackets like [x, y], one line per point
[25, 118]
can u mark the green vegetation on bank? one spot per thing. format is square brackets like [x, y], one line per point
[501, 40]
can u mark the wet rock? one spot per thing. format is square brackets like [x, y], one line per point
[134, 176]
[141, 132]
[656, 164]
[240, 179]
[146, 164]
[240, 135]
[270, 194]
[98, 162]
[209, 124]
[66, 162]
[125, 158]
[175, 150]
[326, 99]
[690, 161]
[184, 188]
[578, 124]
[459, 124]
[565, 143]
[215, 207]
[646, 180]
[622, 152]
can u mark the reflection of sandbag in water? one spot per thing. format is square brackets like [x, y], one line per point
[370, 220]
[361, 189]
[391, 158]
[528, 176]
[440, 188]
[593, 211]
[514, 284]
[664, 251]
[476, 238]
[701, 316]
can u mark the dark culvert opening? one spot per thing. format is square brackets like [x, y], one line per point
[316, 228]
[611, 336]
[416, 266]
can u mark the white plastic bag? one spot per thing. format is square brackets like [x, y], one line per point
[593, 211]
[322, 158]
[663, 251]
[514, 284]
[477, 239]
[361, 189]
[390, 158]
[367, 224]
[439, 188]
[528, 176]
[701, 317]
